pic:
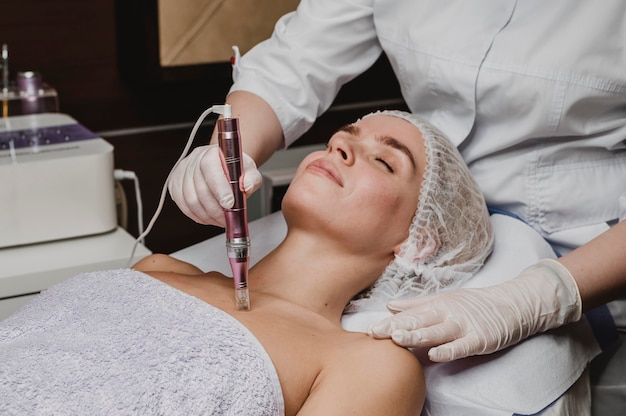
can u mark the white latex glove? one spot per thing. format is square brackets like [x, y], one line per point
[199, 186]
[467, 322]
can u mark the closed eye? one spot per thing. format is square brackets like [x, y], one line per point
[385, 164]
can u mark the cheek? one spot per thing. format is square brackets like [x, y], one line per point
[389, 209]
[390, 198]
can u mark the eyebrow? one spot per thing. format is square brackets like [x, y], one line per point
[385, 140]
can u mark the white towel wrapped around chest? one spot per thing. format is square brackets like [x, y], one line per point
[121, 342]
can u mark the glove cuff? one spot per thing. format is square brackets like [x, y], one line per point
[565, 290]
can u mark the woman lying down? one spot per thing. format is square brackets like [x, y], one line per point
[166, 338]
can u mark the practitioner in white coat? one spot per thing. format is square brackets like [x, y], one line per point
[533, 94]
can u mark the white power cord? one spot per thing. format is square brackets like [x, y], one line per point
[121, 175]
[218, 109]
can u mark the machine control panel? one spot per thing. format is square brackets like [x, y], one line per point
[42, 136]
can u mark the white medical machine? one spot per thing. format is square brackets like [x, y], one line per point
[57, 205]
[57, 180]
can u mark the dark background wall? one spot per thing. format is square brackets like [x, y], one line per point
[100, 56]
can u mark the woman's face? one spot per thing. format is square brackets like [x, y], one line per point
[364, 189]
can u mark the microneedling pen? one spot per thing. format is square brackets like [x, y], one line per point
[237, 237]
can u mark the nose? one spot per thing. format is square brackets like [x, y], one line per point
[342, 148]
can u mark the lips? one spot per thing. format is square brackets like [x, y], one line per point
[327, 169]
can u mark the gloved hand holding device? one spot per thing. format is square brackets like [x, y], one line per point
[200, 189]
[467, 322]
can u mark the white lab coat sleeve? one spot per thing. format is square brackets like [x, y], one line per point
[311, 54]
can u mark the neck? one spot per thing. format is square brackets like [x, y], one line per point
[313, 274]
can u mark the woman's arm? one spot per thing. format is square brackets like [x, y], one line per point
[260, 130]
[368, 381]
[599, 267]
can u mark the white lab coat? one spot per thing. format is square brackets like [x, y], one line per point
[533, 92]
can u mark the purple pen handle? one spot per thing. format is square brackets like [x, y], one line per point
[237, 237]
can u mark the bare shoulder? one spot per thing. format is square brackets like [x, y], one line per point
[165, 263]
[370, 377]
[395, 369]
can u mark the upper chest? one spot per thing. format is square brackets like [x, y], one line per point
[300, 350]
[300, 345]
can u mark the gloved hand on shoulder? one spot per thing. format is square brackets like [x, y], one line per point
[199, 186]
[466, 322]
